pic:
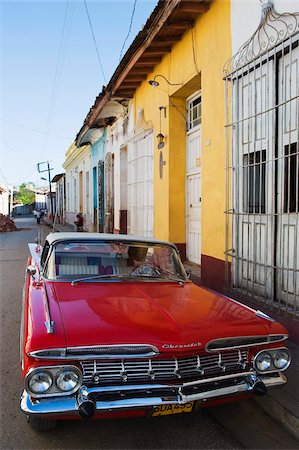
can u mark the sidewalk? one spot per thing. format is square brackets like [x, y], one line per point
[281, 403]
[59, 227]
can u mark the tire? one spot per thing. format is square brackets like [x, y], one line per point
[41, 424]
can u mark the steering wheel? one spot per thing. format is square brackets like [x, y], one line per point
[146, 269]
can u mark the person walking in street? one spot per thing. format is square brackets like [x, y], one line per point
[79, 222]
[38, 216]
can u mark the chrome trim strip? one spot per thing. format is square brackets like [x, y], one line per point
[274, 369]
[254, 344]
[49, 324]
[260, 313]
[69, 404]
[21, 341]
[136, 387]
[35, 353]
[149, 346]
[64, 356]
[221, 378]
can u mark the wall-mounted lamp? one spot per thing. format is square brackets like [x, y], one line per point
[161, 142]
[161, 136]
[155, 83]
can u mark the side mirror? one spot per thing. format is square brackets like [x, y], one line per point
[31, 270]
[189, 273]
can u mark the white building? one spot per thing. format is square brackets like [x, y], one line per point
[4, 199]
[59, 181]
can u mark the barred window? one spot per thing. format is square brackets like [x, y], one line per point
[291, 179]
[254, 179]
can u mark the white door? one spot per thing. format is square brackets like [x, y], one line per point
[193, 180]
[253, 178]
[287, 241]
[141, 185]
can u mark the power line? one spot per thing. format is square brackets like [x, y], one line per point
[3, 177]
[129, 31]
[32, 129]
[14, 148]
[94, 40]
[59, 64]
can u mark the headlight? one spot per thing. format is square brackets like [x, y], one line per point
[51, 381]
[263, 361]
[40, 382]
[281, 359]
[67, 380]
[272, 360]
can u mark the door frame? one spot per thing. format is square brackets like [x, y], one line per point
[189, 132]
[143, 134]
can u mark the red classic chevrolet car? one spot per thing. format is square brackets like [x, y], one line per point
[113, 327]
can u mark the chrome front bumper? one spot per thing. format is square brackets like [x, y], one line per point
[148, 395]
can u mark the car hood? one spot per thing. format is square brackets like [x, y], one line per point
[166, 315]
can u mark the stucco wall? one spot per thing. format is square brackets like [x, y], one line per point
[212, 47]
[116, 138]
[78, 159]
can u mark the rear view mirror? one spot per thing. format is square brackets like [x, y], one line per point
[31, 270]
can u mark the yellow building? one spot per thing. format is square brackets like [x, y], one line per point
[188, 204]
[176, 142]
[77, 181]
[209, 159]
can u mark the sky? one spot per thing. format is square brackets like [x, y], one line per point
[51, 75]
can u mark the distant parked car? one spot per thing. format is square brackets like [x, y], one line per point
[112, 327]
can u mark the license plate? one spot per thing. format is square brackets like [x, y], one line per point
[165, 410]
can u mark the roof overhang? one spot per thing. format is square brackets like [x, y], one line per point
[89, 136]
[165, 26]
[57, 177]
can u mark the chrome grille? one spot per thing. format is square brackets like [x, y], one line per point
[125, 370]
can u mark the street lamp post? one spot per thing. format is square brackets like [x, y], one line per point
[49, 179]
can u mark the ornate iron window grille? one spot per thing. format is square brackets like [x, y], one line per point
[273, 29]
[262, 164]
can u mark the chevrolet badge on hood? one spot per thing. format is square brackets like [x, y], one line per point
[192, 344]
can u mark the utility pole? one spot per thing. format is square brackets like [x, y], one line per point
[11, 201]
[48, 169]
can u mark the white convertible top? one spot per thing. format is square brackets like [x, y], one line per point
[53, 238]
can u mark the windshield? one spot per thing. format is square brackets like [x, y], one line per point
[73, 260]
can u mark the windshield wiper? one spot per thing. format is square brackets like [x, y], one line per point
[96, 277]
[124, 276]
[178, 280]
[159, 277]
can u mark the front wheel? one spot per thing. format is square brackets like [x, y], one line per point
[41, 424]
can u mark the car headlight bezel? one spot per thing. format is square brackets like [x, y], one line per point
[263, 358]
[40, 373]
[67, 371]
[272, 352]
[282, 351]
[53, 372]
